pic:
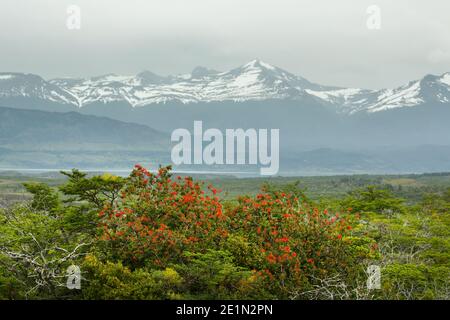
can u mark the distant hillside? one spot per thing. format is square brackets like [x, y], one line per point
[22, 129]
[54, 140]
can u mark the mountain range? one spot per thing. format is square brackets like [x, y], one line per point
[254, 81]
[355, 130]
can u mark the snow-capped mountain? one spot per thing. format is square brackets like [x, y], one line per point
[14, 84]
[254, 81]
[430, 89]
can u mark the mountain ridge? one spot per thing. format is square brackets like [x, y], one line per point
[253, 81]
[36, 129]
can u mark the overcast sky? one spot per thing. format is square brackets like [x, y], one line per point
[324, 41]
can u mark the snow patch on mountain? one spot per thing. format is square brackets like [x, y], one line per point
[405, 96]
[445, 79]
[6, 76]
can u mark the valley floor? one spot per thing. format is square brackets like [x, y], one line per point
[411, 187]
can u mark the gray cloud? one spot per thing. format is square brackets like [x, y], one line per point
[325, 41]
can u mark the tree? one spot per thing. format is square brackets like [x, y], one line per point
[372, 199]
[97, 191]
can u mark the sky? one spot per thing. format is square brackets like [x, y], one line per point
[327, 42]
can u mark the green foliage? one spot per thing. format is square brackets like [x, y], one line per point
[153, 236]
[35, 250]
[412, 281]
[44, 197]
[97, 190]
[243, 251]
[112, 281]
[372, 199]
[293, 188]
[38, 241]
[214, 275]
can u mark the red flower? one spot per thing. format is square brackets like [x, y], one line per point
[119, 214]
[188, 198]
[219, 211]
[271, 258]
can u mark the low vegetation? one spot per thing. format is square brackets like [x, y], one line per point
[160, 236]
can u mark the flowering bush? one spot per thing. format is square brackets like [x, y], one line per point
[296, 240]
[158, 218]
[275, 235]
